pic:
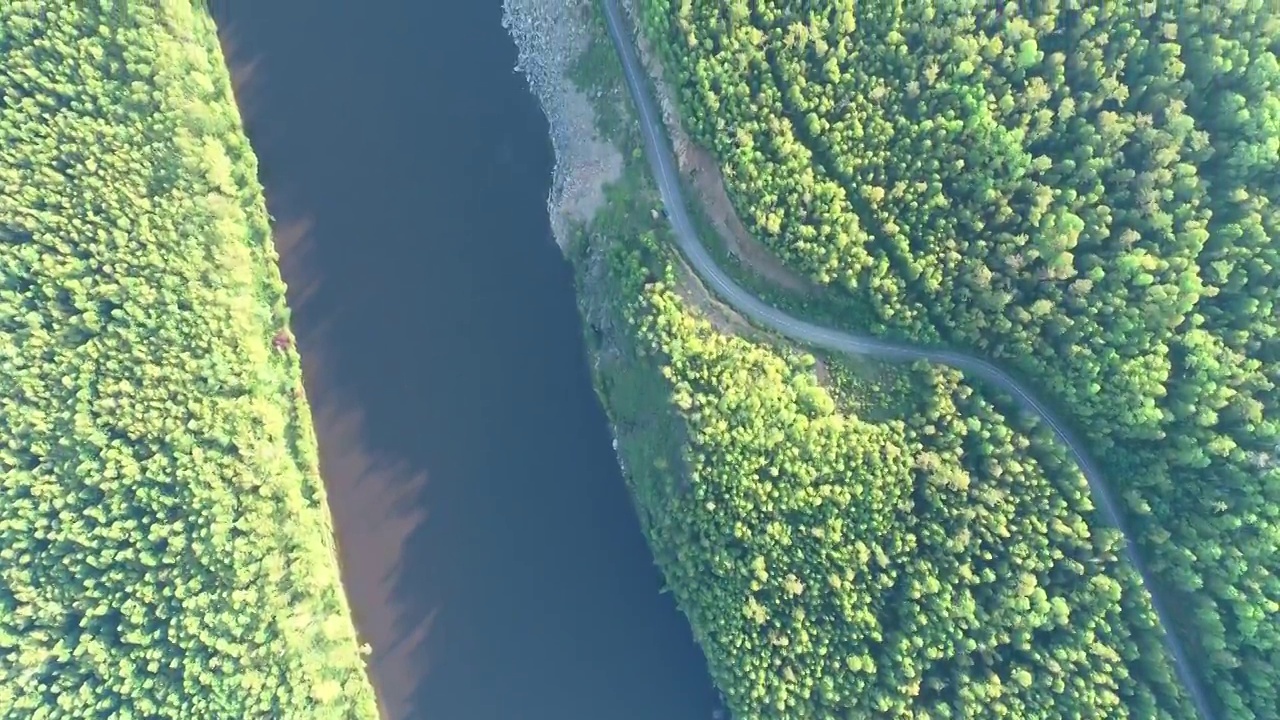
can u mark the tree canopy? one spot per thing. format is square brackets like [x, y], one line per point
[1086, 193]
[900, 547]
[165, 546]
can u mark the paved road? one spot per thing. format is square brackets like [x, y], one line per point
[664, 170]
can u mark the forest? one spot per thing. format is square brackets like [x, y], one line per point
[873, 544]
[1084, 193]
[851, 540]
[165, 544]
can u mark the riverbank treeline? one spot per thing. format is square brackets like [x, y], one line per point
[1085, 193]
[850, 542]
[165, 546]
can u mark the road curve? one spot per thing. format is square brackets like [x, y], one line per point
[664, 171]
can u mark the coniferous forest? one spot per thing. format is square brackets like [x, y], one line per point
[165, 545]
[1084, 193]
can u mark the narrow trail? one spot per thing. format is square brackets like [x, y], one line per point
[664, 170]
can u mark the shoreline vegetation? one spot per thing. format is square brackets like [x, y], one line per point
[845, 537]
[165, 543]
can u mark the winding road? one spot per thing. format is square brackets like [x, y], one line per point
[664, 171]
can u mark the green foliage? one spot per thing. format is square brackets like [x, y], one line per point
[919, 566]
[165, 547]
[1088, 195]
[925, 555]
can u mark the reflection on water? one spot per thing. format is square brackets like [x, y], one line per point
[489, 548]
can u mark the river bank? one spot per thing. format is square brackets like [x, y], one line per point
[601, 195]
[550, 36]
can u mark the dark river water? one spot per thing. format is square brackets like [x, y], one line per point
[489, 546]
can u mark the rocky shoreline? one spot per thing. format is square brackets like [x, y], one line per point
[550, 35]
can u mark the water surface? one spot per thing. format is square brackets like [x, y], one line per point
[489, 546]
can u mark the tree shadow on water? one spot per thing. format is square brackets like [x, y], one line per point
[376, 496]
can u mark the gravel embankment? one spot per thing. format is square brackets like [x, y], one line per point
[549, 37]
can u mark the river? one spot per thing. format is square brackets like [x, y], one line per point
[489, 547]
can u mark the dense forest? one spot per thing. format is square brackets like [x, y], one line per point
[883, 544]
[165, 548]
[852, 540]
[1085, 193]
